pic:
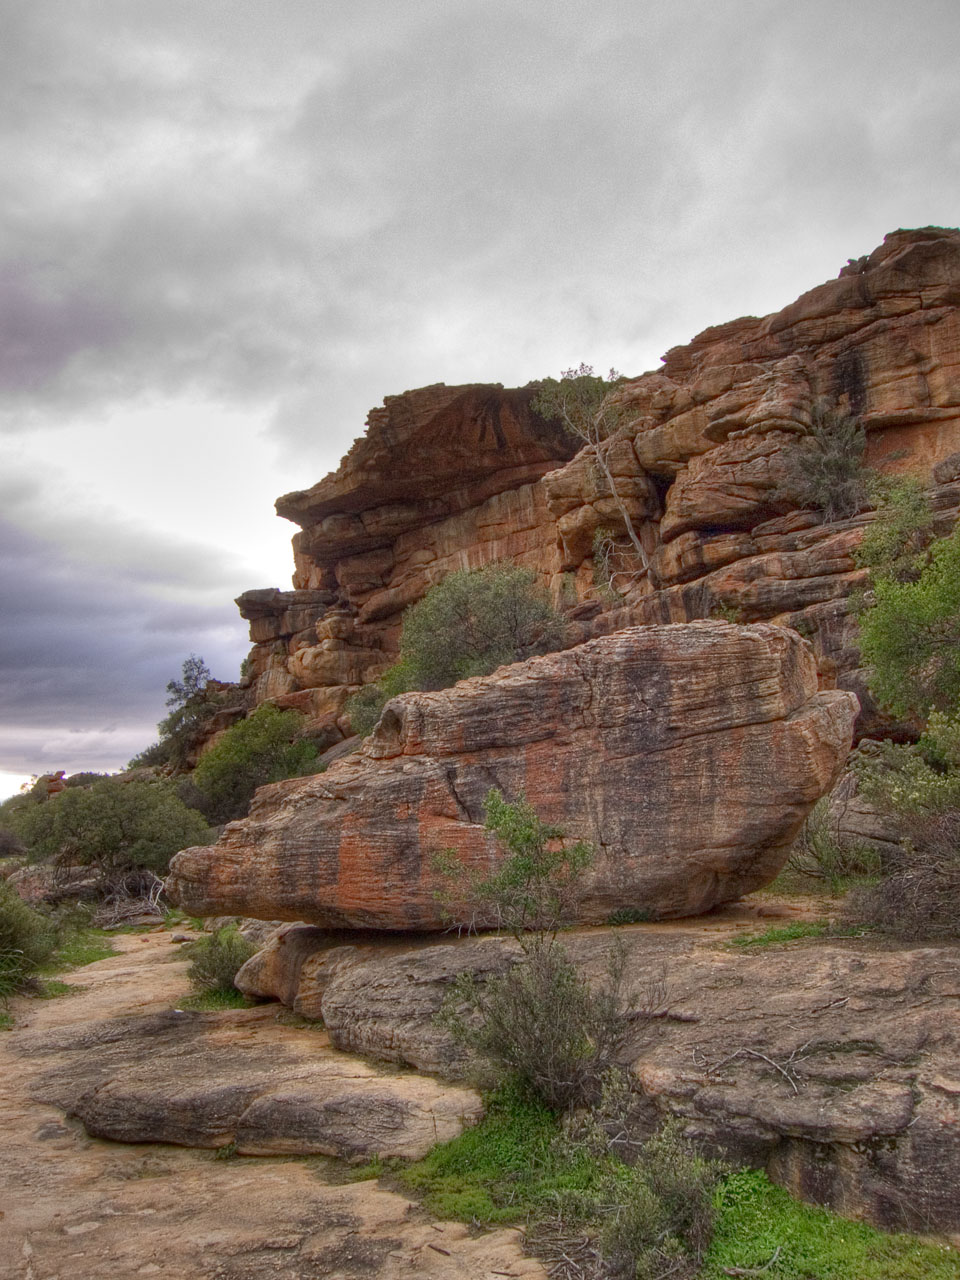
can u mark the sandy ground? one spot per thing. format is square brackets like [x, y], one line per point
[74, 1208]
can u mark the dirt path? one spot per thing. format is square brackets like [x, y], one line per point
[74, 1208]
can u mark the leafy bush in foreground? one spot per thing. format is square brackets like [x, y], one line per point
[541, 1024]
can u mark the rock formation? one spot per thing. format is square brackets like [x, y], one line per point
[687, 755]
[831, 1062]
[453, 477]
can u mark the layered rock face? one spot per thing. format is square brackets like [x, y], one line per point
[688, 756]
[454, 477]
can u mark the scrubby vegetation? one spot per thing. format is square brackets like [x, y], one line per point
[628, 1210]
[265, 747]
[581, 402]
[541, 1025]
[194, 700]
[910, 638]
[27, 940]
[117, 826]
[215, 960]
[825, 469]
[467, 625]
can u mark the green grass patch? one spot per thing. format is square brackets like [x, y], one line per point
[502, 1169]
[86, 947]
[6, 1020]
[212, 1001]
[512, 1168]
[796, 931]
[50, 989]
[756, 1218]
[776, 936]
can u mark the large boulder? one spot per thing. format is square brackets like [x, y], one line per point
[687, 755]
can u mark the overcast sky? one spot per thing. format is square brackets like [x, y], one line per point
[230, 227]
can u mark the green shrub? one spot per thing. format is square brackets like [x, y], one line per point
[537, 887]
[826, 471]
[910, 635]
[894, 545]
[216, 959]
[27, 940]
[475, 621]
[821, 853]
[541, 1024]
[365, 707]
[467, 625]
[114, 825]
[263, 748]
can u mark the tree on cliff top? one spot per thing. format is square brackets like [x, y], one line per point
[580, 401]
[192, 704]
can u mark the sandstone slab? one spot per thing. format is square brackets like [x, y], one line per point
[211, 1080]
[831, 1062]
[688, 756]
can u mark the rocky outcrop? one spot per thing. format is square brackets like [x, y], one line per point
[202, 1080]
[454, 477]
[688, 756]
[831, 1062]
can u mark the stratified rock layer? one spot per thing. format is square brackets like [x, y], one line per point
[688, 756]
[458, 477]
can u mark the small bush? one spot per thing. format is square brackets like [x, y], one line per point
[265, 747]
[536, 888]
[27, 940]
[920, 898]
[894, 545]
[826, 468]
[822, 854]
[543, 1025]
[365, 707]
[662, 1210]
[910, 635]
[216, 959]
[467, 625]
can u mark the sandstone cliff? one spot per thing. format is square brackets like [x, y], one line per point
[453, 477]
[687, 755]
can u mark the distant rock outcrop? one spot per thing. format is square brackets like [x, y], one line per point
[688, 756]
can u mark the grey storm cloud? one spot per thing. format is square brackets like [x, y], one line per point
[90, 655]
[265, 201]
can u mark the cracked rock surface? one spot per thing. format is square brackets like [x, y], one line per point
[834, 1063]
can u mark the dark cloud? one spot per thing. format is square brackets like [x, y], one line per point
[85, 657]
[207, 195]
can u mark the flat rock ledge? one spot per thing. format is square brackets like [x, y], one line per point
[834, 1063]
[687, 755]
[216, 1080]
